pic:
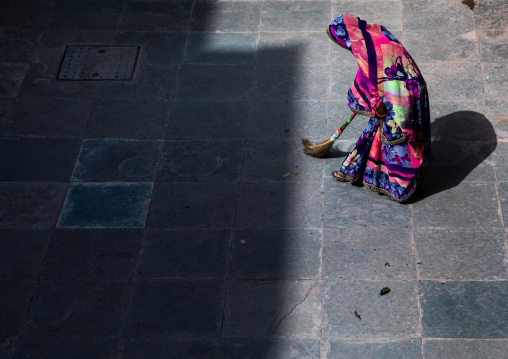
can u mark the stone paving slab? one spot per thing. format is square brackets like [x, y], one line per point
[174, 215]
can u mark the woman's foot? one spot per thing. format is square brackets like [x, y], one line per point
[336, 175]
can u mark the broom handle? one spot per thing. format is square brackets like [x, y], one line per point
[336, 135]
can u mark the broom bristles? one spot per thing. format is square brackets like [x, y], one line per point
[317, 150]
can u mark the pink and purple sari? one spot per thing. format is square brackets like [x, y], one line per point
[393, 152]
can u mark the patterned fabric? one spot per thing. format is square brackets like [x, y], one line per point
[392, 154]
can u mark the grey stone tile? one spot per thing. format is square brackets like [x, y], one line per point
[25, 14]
[269, 348]
[281, 309]
[282, 16]
[201, 161]
[451, 208]
[288, 120]
[272, 160]
[22, 253]
[428, 14]
[221, 48]
[493, 45]
[276, 254]
[452, 112]
[151, 82]
[92, 254]
[142, 119]
[464, 309]
[215, 82]
[226, 16]
[195, 253]
[8, 347]
[502, 189]
[18, 46]
[40, 81]
[491, 14]
[171, 349]
[277, 48]
[290, 83]
[157, 48]
[453, 81]
[496, 80]
[56, 39]
[11, 78]
[106, 205]
[6, 106]
[380, 348]
[104, 15]
[42, 117]
[394, 315]
[441, 45]
[77, 309]
[15, 298]
[465, 348]
[497, 111]
[349, 206]
[38, 159]
[176, 308]
[30, 205]
[279, 205]
[368, 253]
[217, 120]
[461, 254]
[117, 160]
[62, 348]
[156, 16]
[387, 13]
[196, 205]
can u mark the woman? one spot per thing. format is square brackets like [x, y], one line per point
[393, 152]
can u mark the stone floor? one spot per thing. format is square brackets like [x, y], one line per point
[175, 216]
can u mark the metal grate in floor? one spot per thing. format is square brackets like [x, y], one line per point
[99, 63]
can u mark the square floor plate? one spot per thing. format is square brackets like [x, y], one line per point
[99, 63]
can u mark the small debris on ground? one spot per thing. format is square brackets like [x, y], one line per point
[358, 315]
[286, 174]
[419, 263]
[322, 192]
[387, 264]
[243, 241]
[297, 173]
[384, 291]
[443, 283]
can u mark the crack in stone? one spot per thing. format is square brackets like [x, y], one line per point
[294, 308]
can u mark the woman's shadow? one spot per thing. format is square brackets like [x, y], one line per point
[461, 142]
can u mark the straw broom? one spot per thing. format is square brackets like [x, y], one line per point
[322, 148]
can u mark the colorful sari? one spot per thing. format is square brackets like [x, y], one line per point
[393, 152]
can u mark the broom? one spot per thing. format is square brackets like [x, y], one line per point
[320, 149]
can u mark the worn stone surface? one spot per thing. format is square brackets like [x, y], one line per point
[171, 348]
[90, 254]
[279, 309]
[225, 48]
[265, 254]
[461, 254]
[269, 348]
[106, 205]
[166, 308]
[22, 253]
[493, 45]
[13, 311]
[61, 348]
[382, 349]
[465, 348]
[368, 253]
[30, 205]
[200, 161]
[394, 315]
[11, 77]
[117, 160]
[199, 253]
[464, 309]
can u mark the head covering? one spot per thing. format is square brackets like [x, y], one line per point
[386, 74]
